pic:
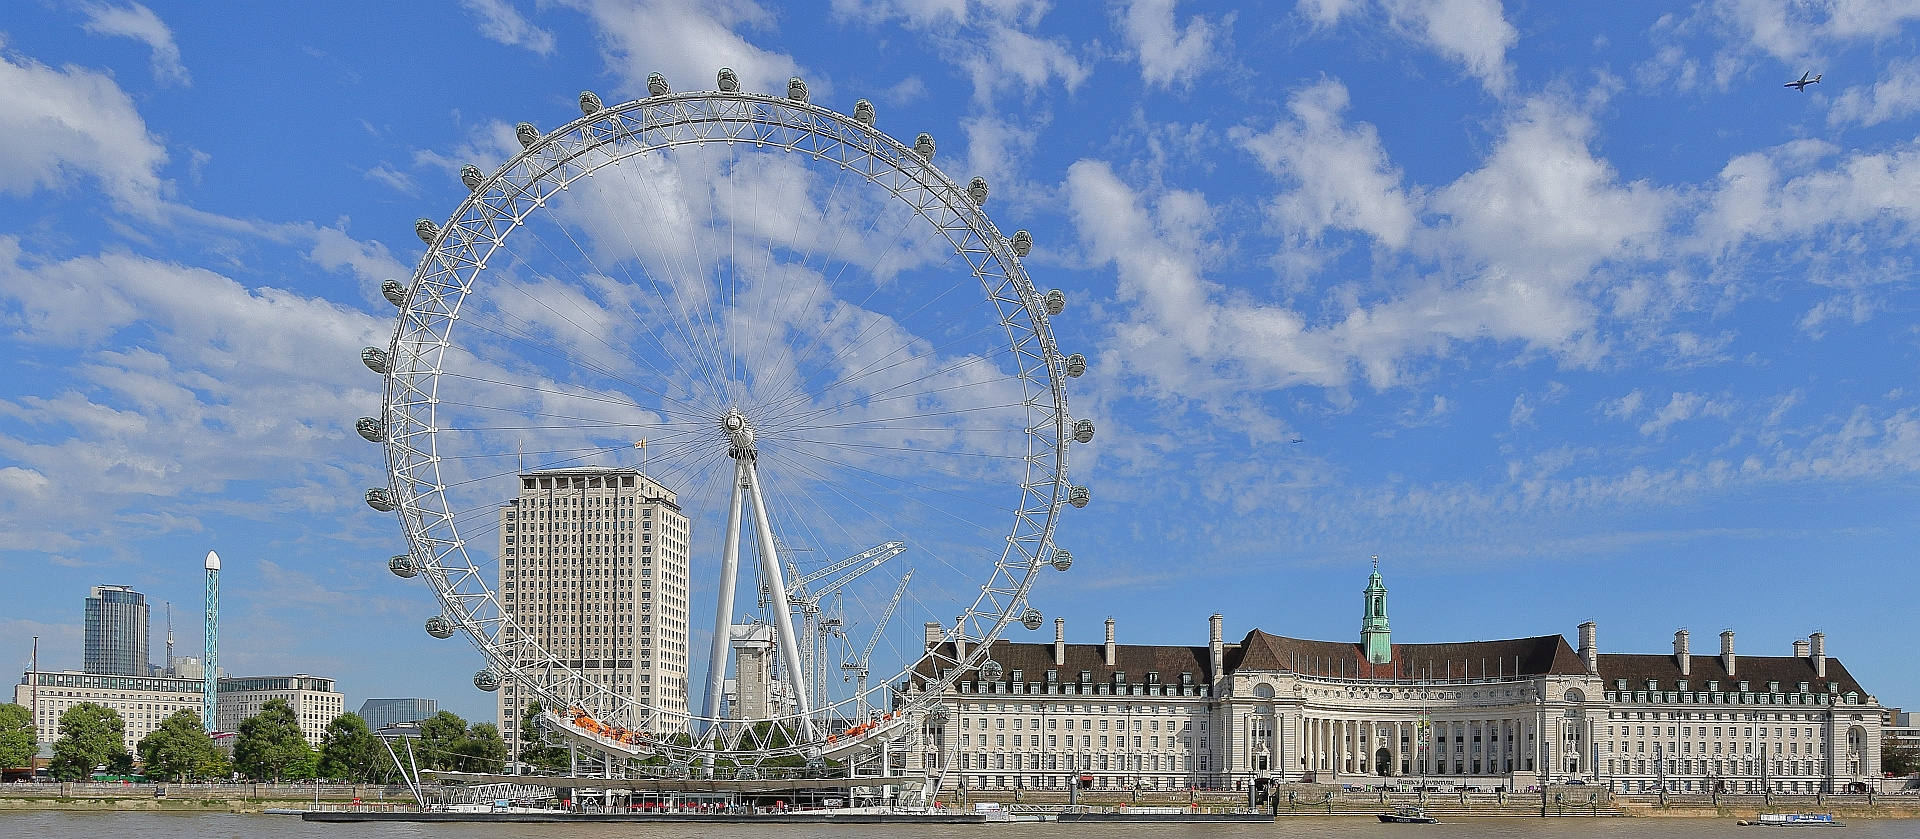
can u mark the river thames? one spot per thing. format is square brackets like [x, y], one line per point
[62, 825]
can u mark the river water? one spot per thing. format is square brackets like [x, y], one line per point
[60, 825]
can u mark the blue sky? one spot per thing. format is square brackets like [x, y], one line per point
[1574, 314]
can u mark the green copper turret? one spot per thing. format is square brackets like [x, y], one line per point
[1374, 637]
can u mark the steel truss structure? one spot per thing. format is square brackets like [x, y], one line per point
[423, 352]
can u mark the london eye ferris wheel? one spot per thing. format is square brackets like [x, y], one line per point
[803, 329]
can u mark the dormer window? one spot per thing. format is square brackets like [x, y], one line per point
[1773, 687]
[1019, 676]
[1119, 677]
[1086, 676]
[1053, 676]
[1803, 687]
[1683, 684]
[1653, 684]
[1619, 684]
[1153, 677]
[1713, 685]
[1186, 679]
[1743, 686]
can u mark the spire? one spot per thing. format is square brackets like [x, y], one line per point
[1375, 639]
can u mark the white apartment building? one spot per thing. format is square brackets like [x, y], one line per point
[594, 566]
[312, 698]
[143, 702]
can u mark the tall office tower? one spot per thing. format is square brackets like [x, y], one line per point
[117, 619]
[593, 568]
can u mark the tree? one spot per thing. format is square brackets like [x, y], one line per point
[181, 750]
[347, 749]
[1899, 760]
[91, 735]
[533, 743]
[18, 740]
[481, 750]
[270, 742]
[441, 737]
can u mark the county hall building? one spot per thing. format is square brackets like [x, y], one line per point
[1512, 713]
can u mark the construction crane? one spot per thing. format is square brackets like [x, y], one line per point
[859, 667]
[812, 633]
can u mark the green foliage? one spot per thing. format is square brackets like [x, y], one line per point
[90, 735]
[440, 739]
[1899, 760]
[180, 750]
[348, 749]
[17, 741]
[270, 744]
[533, 746]
[481, 750]
[447, 743]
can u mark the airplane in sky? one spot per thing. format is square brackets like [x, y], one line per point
[1801, 85]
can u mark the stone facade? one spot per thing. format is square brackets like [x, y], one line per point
[1511, 713]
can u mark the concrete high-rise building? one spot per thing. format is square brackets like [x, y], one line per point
[594, 568]
[117, 622]
[380, 713]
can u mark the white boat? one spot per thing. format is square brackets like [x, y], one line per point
[1797, 820]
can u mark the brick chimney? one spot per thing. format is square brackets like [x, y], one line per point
[1589, 646]
[1216, 647]
[1802, 648]
[934, 633]
[1682, 653]
[1819, 645]
[1109, 642]
[1059, 642]
[1727, 658]
[960, 638]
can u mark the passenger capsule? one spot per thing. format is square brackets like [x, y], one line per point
[923, 146]
[1022, 243]
[657, 85]
[1078, 496]
[1076, 365]
[977, 191]
[439, 627]
[1062, 559]
[590, 102]
[1056, 301]
[1083, 431]
[472, 177]
[402, 566]
[797, 89]
[487, 680]
[729, 83]
[394, 292]
[370, 429]
[375, 359]
[1031, 618]
[526, 134]
[863, 113]
[426, 230]
[991, 670]
[377, 499]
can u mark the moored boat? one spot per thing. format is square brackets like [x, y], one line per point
[1408, 815]
[1796, 820]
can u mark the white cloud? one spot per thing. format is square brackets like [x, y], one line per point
[1518, 244]
[185, 382]
[1170, 55]
[1680, 408]
[1894, 96]
[1786, 193]
[72, 123]
[688, 42]
[500, 21]
[1342, 175]
[1472, 33]
[141, 24]
[1793, 30]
